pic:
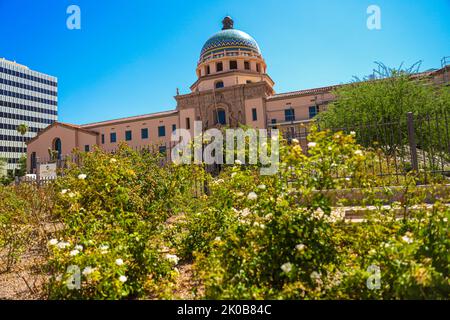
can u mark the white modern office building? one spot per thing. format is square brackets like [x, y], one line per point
[26, 97]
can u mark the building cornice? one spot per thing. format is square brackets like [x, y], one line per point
[233, 72]
[131, 119]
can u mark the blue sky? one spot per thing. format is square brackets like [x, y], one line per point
[130, 56]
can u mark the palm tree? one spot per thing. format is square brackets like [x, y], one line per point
[22, 129]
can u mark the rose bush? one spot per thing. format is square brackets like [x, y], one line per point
[122, 223]
[272, 237]
[114, 207]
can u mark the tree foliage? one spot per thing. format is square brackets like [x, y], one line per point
[384, 100]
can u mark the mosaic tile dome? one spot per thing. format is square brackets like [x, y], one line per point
[229, 39]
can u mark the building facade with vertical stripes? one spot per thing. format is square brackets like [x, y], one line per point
[26, 97]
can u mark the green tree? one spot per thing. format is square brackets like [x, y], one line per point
[5, 178]
[22, 129]
[22, 170]
[2, 168]
[378, 109]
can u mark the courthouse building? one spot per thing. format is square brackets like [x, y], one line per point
[233, 87]
[26, 97]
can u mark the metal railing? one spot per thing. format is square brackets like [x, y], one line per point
[419, 143]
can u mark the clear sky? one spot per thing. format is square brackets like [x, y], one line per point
[130, 56]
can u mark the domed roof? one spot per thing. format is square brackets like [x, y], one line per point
[229, 38]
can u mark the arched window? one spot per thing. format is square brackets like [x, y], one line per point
[57, 146]
[219, 84]
[221, 117]
[33, 162]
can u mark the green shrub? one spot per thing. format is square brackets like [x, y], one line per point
[276, 237]
[119, 202]
[25, 219]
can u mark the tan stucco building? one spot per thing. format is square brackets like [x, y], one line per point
[233, 87]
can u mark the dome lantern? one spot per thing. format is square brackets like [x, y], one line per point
[227, 23]
[229, 39]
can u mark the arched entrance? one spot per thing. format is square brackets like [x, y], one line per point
[57, 146]
[33, 162]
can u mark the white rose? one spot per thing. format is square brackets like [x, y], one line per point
[63, 245]
[312, 144]
[173, 258]
[82, 176]
[315, 275]
[407, 239]
[104, 248]
[123, 279]
[119, 262]
[287, 267]
[245, 212]
[252, 196]
[88, 271]
[53, 242]
[74, 252]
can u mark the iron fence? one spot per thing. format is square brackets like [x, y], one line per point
[414, 142]
[419, 143]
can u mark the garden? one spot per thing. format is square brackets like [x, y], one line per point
[122, 226]
[344, 217]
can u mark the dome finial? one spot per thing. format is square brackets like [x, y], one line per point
[227, 23]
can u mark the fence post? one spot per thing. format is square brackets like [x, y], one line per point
[412, 141]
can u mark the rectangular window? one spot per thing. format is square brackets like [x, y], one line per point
[113, 137]
[128, 135]
[207, 70]
[144, 133]
[312, 112]
[258, 67]
[174, 127]
[188, 123]
[219, 66]
[162, 149]
[103, 139]
[86, 148]
[254, 114]
[289, 114]
[246, 65]
[161, 131]
[233, 65]
[274, 121]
